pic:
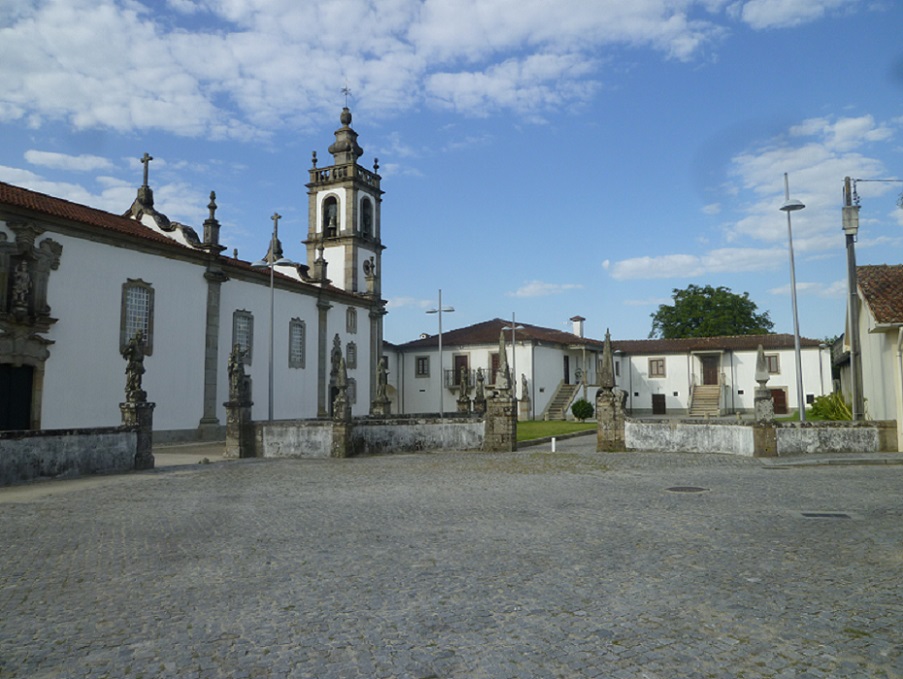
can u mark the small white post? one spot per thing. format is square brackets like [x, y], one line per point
[553, 444]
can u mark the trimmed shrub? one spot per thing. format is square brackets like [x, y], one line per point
[582, 409]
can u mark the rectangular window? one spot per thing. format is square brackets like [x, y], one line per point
[296, 343]
[137, 313]
[243, 333]
[351, 393]
[351, 356]
[422, 366]
[351, 321]
[656, 367]
[774, 365]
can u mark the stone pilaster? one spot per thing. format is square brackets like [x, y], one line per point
[140, 416]
[500, 433]
[610, 421]
[239, 430]
[209, 424]
[323, 308]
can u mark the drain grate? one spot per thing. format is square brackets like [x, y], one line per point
[686, 489]
[825, 515]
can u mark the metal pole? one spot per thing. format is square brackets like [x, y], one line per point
[272, 264]
[853, 304]
[800, 397]
[441, 384]
[514, 353]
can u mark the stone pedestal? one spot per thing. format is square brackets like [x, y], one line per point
[523, 409]
[140, 415]
[765, 440]
[381, 407]
[764, 406]
[463, 405]
[610, 420]
[239, 430]
[501, 425]
[479, 406]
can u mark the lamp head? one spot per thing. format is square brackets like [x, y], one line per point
[792, 205]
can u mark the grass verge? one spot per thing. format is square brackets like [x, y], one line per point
[537, 429]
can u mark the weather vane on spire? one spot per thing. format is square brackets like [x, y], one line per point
[347, 92]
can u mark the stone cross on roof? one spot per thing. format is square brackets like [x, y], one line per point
[145, 160]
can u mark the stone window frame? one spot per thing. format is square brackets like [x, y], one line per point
[126, 312]
[351, 355]
[657, 368]
[367, 210]
[351, 320]
[773, 363]
[248, 348]
[422, 366]
[297, 343]
[351, 391]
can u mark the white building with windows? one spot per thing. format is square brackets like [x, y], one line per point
[716, 375]
[552, 368]
[77, 283]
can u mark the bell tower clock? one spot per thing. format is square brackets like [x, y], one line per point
[344, 216]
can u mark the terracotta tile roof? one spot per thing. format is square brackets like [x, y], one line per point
[33, 201]
[732, 343]
[488, 333]
[882, 288]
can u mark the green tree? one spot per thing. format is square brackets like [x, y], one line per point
[709, 312]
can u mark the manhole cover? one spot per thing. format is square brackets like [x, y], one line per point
[825, 515]
[686, 489]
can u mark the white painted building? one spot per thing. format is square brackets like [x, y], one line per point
[548, 362]
[881, 343]
[76, 283]
[662, 376]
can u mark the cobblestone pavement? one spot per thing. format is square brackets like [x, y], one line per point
[525, 565]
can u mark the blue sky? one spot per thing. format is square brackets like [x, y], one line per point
[539, 159]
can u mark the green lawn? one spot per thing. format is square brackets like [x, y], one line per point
[538, 429]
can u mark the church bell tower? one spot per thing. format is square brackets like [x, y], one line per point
[344, 217]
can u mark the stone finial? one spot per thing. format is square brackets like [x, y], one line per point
[761, 368]
[211, 224]
[503, 377]
[607, 373]
[313, 159]
[212, 205]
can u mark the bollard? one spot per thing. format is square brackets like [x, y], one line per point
[553, 444]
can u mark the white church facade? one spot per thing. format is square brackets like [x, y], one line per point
[77, 283]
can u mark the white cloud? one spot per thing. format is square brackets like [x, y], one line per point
[542, 289]
[61, 161]
[761, 14]
[260, 66]
[723, 260]
[409, 302]
[835, 290]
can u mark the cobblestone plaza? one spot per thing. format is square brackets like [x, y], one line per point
[527, 565]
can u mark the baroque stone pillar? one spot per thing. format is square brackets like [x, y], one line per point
[610, 417]
[140, 416]
[209, 421]
[239, 426]
[500, 429]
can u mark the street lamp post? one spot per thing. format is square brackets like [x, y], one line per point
[788, 207]
[271, 263]
[439, 310]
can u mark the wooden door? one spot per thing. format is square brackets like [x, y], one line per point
[710, 370]
[658, 404]
[780, 401]
[567, 369]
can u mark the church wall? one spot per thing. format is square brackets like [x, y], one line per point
[84, 377]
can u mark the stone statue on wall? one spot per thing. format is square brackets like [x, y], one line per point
[238, 382]
[382, 380]
[21, 285]
[133, 353]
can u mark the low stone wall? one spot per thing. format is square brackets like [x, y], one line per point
[796, 438]
[405, 435]
[739, 438]
[689, 437]
[369, 436]
[31, 455]
[293, 438]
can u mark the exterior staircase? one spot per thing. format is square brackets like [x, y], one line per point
[558, 406]
[706, 401]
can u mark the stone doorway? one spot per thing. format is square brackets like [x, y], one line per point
[16, 392]
[710, 369]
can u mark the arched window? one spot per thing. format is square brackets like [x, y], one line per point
[331, 217]
[137, 313]
[351, 320]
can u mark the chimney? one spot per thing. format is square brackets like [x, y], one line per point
[577, 322]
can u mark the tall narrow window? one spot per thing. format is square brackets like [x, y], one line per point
[243, 333]
[331, 217]
[351, 320]
[773, 363]
[296, 343]
[351, 394]
[351, 356]
[366, 218]
[137, 313]
[422, 366]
